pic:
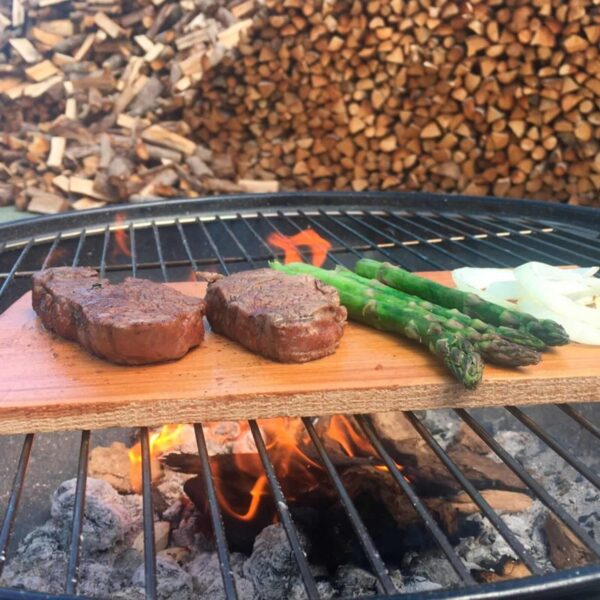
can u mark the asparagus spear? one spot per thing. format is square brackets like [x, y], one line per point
[492, 347]
[546, 330]
[514, 335]
[456, 352]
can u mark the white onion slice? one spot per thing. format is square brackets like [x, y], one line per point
[544, 291]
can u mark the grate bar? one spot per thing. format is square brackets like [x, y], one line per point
[132, 250]
[186, 244]
[411, 250]
[13, 500]
[105, 241]
[538, 489]
[51, 250]
[236, 241]
[420, 508]
[148, 519]
[359, 527]
[284, 513]
[564, 236]
[15, 266]
[161, 260]
[253, 231]
[552, 443]
[534, 238]
[583, 421]
[78, 513]
[410, 232]
[215, 515]
[211, 241]
[80, 243]
[511, 240]
[479, 500]
[461, 233]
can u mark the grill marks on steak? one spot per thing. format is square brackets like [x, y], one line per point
[134, 322]
[283, 317]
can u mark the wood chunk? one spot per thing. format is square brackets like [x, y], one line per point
[87, 204]
[163, 137]
[111, 463]
[104, 22]
[46, 203]
[565, 548]
[258, 187]
[243, 9]
[231, 36]
[78, 185]
[57, 151]
[25, 49]
[431, 130]
[41, 71]
[575, 43]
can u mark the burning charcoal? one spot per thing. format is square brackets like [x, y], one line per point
[173, 583]
[207, 579]
[298, 591]
[106, 519]
[432, 566]
[352, 581]
[97, 580]
[112, 464]
[419, 584]
[271, 567]
[40, 562]
[170, 487]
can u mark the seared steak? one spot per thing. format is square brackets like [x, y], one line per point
[287, 318]
[134, 322]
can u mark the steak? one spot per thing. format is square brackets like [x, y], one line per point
[132, 323]
[283, 317]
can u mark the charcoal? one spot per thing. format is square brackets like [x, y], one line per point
[106, 519]
[352, 581]
[431, 566]
[40, 563]
[97, 580]
[271, 567]
[208, 583]
[298, 591]
[172, 582]
[419, 584]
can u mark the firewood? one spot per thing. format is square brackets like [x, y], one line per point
[57, 151]
[163, 137]
[41, 71]
[258, 187]
[46, 203]
[25, 49]
[566, 550]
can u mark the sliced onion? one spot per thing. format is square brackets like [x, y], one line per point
[544, 291]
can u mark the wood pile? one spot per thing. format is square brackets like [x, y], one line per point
[131, 100]
[494, 97]
[93, 96]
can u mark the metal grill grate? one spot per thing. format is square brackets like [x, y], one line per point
[168, 242]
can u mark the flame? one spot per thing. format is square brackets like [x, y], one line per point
[159, 442]
[121, 238]
[290, 244]
[284, 438]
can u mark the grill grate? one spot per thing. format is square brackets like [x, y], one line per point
[167, 242]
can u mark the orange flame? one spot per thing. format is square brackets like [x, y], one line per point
[121, 238]
[296, 471]
[159, 442]
[318, 246]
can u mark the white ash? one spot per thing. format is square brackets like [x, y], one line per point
[271, 567]
[443, 424]
[172, 581]
[207, 580]
[108, 516]
[432, 566]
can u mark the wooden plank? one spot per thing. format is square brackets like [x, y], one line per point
[50, 384]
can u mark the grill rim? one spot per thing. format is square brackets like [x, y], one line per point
[220, 205]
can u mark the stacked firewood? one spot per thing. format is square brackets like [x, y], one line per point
[129, 100]
[480, 97]
[92, 96]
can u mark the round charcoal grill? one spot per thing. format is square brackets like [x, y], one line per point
[169, 241]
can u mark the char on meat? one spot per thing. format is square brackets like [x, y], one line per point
[134, 322]
[283, 317]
